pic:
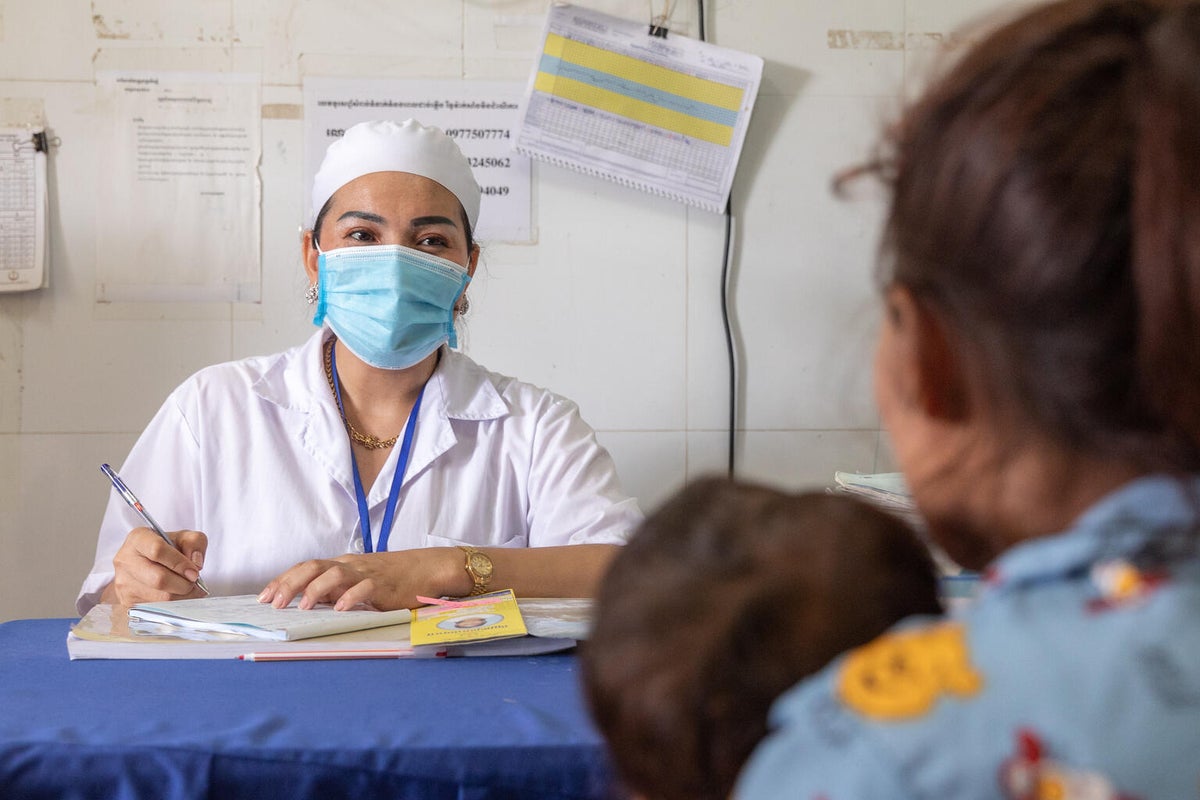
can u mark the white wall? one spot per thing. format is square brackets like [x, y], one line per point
[615, 306]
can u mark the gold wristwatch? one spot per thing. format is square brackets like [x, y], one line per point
[479, 567]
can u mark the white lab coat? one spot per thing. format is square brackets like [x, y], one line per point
[254, 454]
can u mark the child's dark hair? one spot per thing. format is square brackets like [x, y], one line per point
[726, 596]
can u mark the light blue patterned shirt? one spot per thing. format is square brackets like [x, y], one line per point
[1074, 674]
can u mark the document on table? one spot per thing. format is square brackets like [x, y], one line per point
[485, 617]
[243, 615]
[103, 633]
[886, 488]
[664, 115]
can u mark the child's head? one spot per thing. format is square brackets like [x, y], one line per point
[726, 596]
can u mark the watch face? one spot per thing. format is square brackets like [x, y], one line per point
[481, 564]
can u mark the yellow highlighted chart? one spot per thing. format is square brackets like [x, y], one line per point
[667, 116]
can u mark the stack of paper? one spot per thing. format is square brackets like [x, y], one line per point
[104, 632]
[888, 491]
[242, 616]
[173, 630]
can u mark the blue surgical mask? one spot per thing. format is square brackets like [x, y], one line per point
[391, 305]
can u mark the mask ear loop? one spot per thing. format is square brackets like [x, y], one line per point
[452, 332]
[314, 295]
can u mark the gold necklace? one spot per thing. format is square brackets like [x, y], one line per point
[365, 439]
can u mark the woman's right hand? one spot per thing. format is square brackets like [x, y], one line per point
[147, 569]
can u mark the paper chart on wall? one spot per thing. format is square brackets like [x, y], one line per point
[24, 209]
[180, 214]
[479, 115]
[665, 115]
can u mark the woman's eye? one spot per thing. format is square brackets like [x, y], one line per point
[433, 241]
[361, 236]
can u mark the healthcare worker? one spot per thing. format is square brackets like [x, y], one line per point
[373, 463]
[1039, 373]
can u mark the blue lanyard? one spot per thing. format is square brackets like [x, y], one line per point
[389, 511]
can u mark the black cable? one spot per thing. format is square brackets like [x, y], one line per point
[729, 334]
[725, 300]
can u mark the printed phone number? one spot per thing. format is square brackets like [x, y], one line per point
[478, 133]
[499, 162]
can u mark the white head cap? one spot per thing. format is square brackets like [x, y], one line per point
[387, 146]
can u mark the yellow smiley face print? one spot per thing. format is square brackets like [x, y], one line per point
[902, 674]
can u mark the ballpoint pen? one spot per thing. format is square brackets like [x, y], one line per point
[137, 506]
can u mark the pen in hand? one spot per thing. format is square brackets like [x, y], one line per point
[136, 505]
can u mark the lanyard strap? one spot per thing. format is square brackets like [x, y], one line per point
[389, 511]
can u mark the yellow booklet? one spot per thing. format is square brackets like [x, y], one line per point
[495, 615]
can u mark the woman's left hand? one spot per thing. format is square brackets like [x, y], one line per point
[383, 581]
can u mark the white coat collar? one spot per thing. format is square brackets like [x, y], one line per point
[464, 390]
[467, 390]
[459, 389]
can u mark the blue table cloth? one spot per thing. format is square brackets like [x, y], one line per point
[446, 729]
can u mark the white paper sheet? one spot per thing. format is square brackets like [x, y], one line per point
[178, 216]
[667, 116]
[23, 209]
[480, 115]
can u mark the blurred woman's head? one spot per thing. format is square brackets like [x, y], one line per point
[1042, 250]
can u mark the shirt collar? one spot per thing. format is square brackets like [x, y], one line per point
[1154, 516]
[465, 389]
[296, 380]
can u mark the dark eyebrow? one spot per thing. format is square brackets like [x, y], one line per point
[417, 222]
[363, 215]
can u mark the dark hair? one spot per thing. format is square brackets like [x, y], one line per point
[1046, 207]
[726, 596]
[316, 228]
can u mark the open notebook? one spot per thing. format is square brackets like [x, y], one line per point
[242, 616]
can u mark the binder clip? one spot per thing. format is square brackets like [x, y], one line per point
[38, 141]
[658, 31]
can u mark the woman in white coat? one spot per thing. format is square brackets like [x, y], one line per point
[373, 463]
